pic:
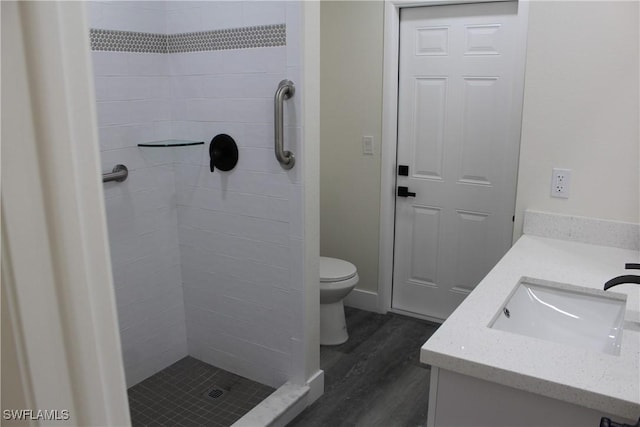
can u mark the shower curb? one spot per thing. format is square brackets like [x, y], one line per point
[278, 409]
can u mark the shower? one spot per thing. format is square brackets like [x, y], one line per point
[208, 262]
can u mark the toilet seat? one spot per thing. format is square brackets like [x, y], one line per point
[335, 270]
[340, 285]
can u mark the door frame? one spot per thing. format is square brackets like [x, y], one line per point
[389, 143]
[56, 270]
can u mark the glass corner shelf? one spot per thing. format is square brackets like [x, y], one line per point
[171, 143]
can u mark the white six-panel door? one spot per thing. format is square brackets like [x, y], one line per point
[459, 114]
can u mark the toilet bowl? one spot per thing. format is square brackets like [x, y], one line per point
[337, 279]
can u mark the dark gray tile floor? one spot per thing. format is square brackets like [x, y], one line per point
[178, 396]
[375, 378]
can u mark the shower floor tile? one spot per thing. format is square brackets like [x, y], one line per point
[178, 396]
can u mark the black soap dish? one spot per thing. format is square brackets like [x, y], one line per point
[223, 153]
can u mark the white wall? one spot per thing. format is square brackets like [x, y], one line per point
[133, 102]
[351, 107]
[581, 109]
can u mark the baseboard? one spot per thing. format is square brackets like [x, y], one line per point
[364, 300]
[418, 316]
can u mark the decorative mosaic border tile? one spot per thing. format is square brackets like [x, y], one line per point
[201, 41]
[232, 38]
[595, 231]
[127, 41]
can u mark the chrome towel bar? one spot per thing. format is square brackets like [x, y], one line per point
[118, 174]
[285, 90]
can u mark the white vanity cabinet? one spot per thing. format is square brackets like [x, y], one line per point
[484, 376]
[460, 400]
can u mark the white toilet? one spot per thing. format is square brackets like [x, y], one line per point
[337, 279]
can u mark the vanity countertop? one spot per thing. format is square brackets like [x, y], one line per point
[465, 344]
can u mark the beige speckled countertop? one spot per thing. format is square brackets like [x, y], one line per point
[465, 344]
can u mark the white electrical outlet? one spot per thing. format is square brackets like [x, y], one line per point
[560, 183]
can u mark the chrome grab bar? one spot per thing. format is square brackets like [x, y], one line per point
[118, 174]
[286, 89]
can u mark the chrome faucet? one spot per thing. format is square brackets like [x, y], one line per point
[627, 278]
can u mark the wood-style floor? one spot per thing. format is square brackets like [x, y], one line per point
[375, 378]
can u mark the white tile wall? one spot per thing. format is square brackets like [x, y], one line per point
[213, 259]
[242, 226]
[266, 60]
[133, 95]
[183, 17]
[235, 227]
[143, 16]
[263, 12]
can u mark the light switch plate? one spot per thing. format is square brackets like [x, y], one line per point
[367, 145]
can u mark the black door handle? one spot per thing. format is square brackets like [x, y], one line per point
[404, 192]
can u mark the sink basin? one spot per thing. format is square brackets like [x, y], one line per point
[581, 317]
